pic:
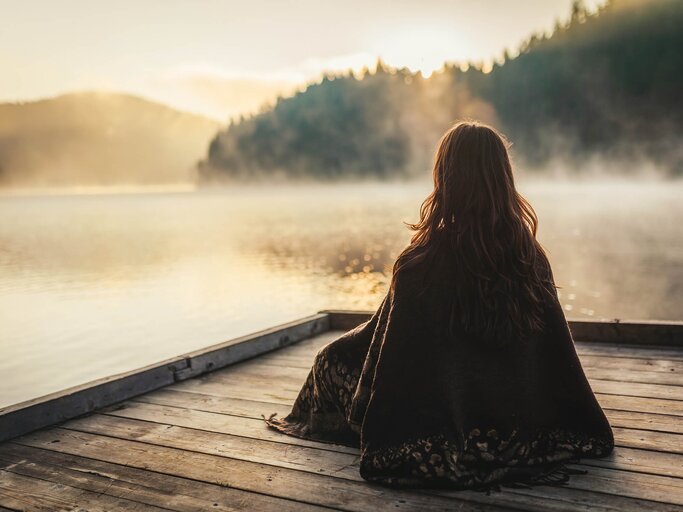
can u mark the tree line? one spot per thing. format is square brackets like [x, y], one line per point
[604, 84]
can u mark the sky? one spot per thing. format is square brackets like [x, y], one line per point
[226, 58]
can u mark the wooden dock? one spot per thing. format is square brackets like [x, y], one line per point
[187, 434]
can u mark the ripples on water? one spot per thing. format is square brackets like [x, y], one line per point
[92, 285]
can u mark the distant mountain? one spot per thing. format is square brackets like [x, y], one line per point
[98, 138]
[604, 85]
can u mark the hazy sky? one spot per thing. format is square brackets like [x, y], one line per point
[221, 58]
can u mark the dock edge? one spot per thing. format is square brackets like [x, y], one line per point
[60, 406]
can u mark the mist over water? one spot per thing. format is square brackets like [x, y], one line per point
[92, 285]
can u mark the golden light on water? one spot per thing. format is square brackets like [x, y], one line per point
[177, 271]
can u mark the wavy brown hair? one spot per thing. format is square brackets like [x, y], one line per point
[477, 236]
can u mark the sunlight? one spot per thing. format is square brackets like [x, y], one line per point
[313, 67]
[423, 49]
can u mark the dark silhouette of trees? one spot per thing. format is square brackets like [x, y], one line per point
[607, 83]
[342, 126]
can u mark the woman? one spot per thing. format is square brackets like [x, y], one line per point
[466, 376]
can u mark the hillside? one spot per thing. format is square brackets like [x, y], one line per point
[603, 85]
[99, 139]
[608, 84]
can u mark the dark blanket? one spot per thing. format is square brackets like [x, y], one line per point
[429, 410]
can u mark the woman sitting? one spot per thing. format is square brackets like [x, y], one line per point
[466, 376]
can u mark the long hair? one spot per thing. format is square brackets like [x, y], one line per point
[477, 235]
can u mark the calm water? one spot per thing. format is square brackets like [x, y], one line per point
[92, 285]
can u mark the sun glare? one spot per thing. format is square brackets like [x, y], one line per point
[424, 50]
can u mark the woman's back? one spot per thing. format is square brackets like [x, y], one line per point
[475, 228]
[466, 375]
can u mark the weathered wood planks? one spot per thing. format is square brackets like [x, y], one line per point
[201, 444]
[143, 486]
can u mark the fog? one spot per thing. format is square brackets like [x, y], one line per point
[93, 284]
[99, 139]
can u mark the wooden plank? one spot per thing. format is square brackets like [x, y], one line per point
[210, 403]
[246, 387]
[287, 483]
[645, 377]
[148, 487]
[645, 421]
[57, 407]
[201, 420]
[289, 362]
[634, 403]
[640, 460]
[28, 494]
[631, 364]
[611, 387]
[260, 371]
[238, 391]
[252, 448]
[625, 332]
[631, 483]
[630, 351]
[649, 440]
[603, 331]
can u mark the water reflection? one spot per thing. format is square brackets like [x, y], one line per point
[92, 285]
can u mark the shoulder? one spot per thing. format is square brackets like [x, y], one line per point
[409, 281]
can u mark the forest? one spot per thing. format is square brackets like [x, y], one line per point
[602, 86]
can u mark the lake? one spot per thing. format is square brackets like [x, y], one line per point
[96, 284]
